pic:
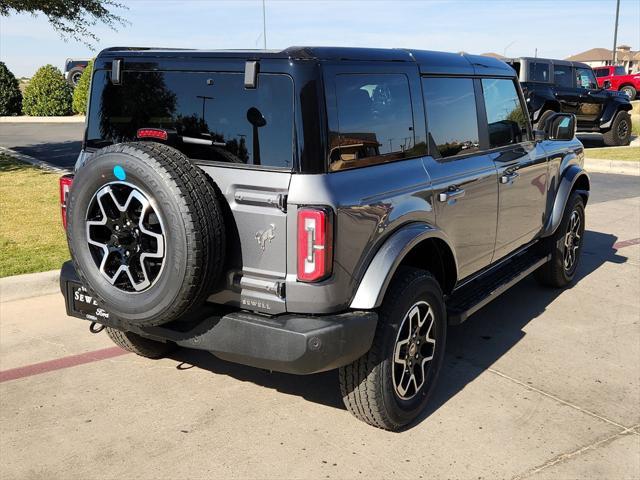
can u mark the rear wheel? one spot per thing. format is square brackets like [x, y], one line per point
[390, 385]
[620, 132]
[134, 343]
[565, 246]
[630, 91]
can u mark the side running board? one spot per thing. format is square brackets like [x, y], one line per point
[472, 297]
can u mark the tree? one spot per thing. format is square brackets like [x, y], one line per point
[10, 96]
[81, 92]
[48, 94]
[71, 18]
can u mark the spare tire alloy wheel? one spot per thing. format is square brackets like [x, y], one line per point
[414, 349]
[146, 233]
[126, 236]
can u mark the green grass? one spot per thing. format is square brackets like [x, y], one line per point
[31, 235]
[635, 125]
[614, 153]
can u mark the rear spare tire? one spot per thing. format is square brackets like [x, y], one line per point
[145, 232]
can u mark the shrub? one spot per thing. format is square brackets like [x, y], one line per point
[48, 94]
[10, 96]
[81, 92]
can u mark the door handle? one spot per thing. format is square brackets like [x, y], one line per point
[509, 177]
[452, 193]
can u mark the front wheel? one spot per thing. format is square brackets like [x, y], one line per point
[390, 385]
[565, 246]
[630, 91]
[620, 132]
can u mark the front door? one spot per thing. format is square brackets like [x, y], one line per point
[463, 177]
[521, 166]
[591, 98]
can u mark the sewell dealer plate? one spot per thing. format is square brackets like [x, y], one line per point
[83, 305]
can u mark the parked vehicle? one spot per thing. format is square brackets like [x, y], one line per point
[314, 209]
[615, 78]
[73, 69]
[552, 86]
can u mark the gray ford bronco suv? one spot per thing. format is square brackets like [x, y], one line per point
[314, 209]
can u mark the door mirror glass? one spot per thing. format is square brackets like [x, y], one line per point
[561, 126]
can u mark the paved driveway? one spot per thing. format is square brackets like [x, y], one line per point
[540, 384]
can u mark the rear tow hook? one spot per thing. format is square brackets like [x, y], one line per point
[96, 327]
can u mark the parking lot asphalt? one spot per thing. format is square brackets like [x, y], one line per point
[55, 143]
[539, 384]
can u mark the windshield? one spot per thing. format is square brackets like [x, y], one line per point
[208, 116]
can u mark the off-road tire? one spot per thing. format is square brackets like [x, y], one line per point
[614, 136]
[195, 236]
[366, 385]
[630, 90]
[144, 347]
[73, 76]
[543, 119]
[553, 273]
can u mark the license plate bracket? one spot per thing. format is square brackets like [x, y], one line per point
[83, 305]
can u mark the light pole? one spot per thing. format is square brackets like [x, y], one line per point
[504, 52]
[615, 35]
[264, 24]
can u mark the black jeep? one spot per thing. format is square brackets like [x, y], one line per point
[551, 86]
[315, 209]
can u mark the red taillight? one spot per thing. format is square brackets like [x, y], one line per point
[65, 185]
[155, 133]
[315, 244]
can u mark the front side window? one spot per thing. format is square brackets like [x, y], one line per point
[375, 120]
[586, 79]
[538, 72]
[452, 122]
[562, 76]
[619, 70]
[506, 118]
[209, 116]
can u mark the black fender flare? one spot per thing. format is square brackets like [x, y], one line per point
[570, 177]
[381, 269]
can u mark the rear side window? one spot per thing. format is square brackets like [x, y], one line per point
[601, 72]
[209, 116]
[452, 123]
[375, 120]
[506, 118]
[538, 72]
[562, 76]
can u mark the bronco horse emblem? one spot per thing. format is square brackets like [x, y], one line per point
[265, 235]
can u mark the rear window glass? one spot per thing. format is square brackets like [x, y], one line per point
[451, 116]
[538, 72]
[375, 120]
[209, 116]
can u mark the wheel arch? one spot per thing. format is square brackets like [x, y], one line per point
[417, 245]
[574, 179]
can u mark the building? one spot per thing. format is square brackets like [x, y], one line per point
[598, 57]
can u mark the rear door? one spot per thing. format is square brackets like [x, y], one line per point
[463, 177]
[520, 163]
[565, 88]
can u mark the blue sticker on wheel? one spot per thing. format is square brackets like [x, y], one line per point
[119, 172]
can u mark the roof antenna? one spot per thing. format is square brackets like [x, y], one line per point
[264, 24]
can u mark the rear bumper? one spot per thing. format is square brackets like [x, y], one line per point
[290, 343]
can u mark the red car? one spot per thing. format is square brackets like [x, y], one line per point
[618, 80]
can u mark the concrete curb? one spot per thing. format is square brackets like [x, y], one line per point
[27, 119]
[33, 161]
[612, 166]
[29, 285]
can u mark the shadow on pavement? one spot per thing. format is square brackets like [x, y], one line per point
[471, 347]
[60, 154]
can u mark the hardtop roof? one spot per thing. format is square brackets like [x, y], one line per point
[428, 61]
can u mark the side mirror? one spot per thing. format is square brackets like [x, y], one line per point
[606, 84]
[561, 126]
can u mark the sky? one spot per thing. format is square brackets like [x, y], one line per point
[557, 28]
